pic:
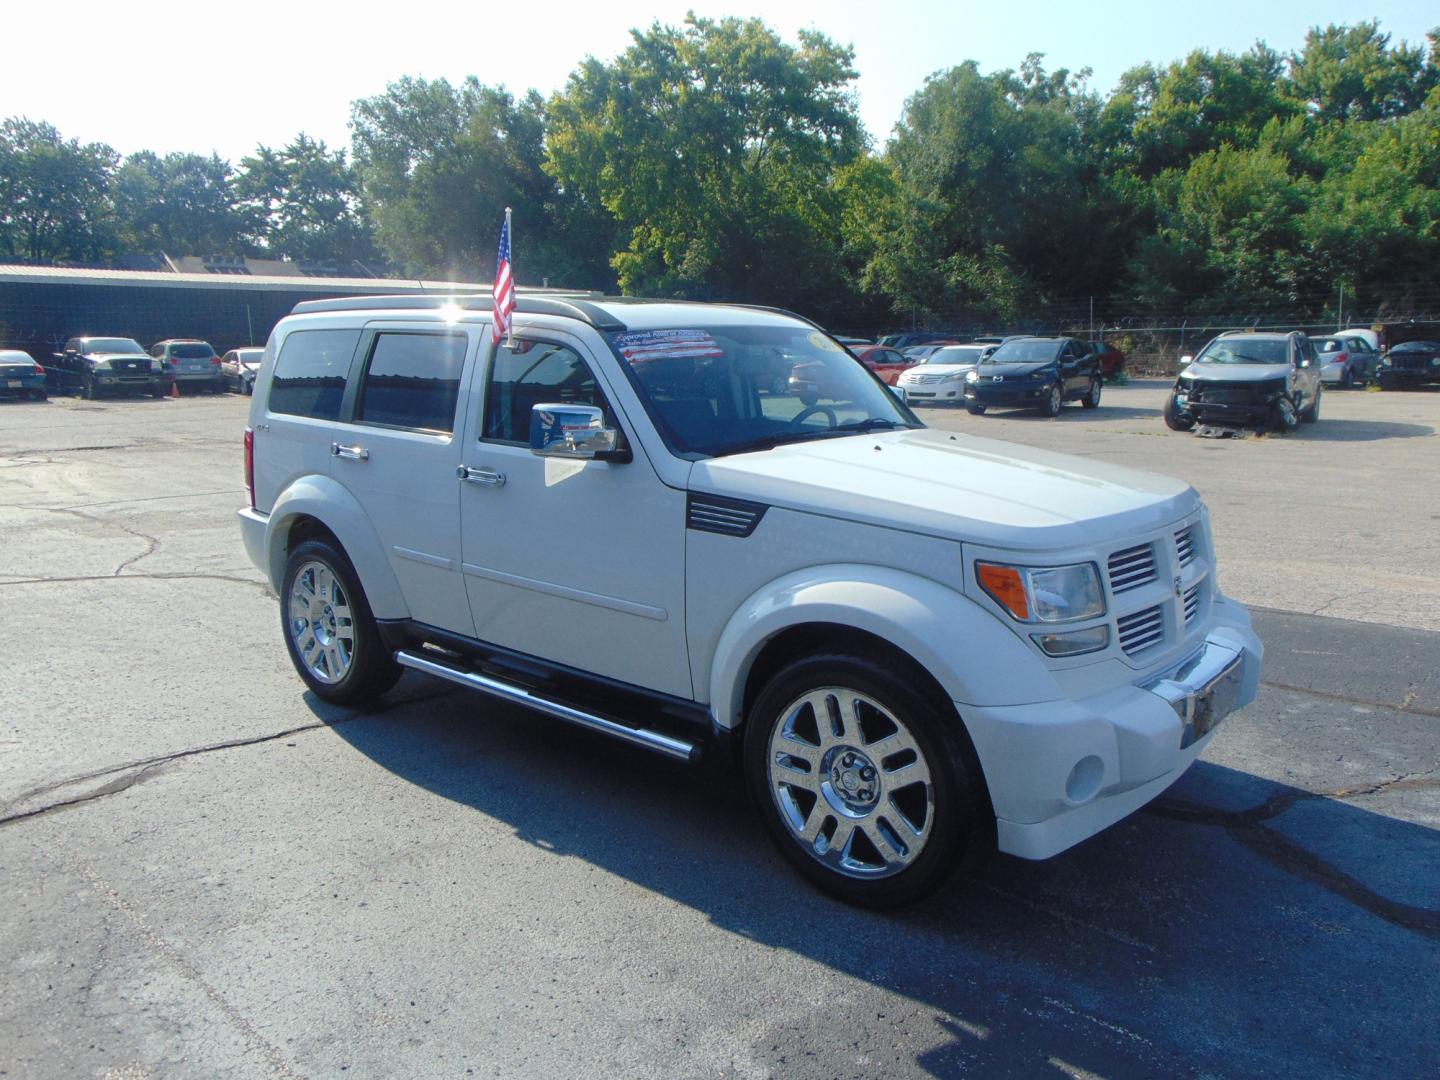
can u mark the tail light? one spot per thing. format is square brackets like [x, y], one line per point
[250, 465]
[214, 361]
[1340, 358]
[39, 370]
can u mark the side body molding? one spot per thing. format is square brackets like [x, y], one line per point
[329, 502]
[971, 655]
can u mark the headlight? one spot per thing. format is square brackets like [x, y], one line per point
[1044, 594]
[972, 375]
[100, 365]
[1435, 361]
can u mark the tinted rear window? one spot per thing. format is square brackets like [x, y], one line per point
[413, 381]
[192, 352]
[310, 373]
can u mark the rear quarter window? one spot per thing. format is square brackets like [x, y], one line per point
[310, 373]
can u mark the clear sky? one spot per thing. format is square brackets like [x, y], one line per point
[199, 76]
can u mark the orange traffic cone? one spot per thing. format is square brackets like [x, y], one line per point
[174, 388]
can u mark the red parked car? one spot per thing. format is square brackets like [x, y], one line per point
[886, 362]
[805, 378]
[1112, 360]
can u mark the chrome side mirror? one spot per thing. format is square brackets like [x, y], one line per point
[898, 391]
[571, 431]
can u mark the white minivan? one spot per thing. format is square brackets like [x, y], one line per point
[918, 645]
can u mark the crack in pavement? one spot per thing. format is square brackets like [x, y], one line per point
[152, 542]
[1248, 828]
[136, 772]
[1406, 706]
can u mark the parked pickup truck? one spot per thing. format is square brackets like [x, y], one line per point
[96, 366]
[916, 645]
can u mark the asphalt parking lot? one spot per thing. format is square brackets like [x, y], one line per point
[205, 872]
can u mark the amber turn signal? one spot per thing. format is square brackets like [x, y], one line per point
[1006, 585]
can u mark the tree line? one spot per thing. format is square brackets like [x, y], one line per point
[715, 160]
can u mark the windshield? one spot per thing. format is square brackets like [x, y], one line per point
[112, 344]
[1034, 351]
[1417, 346]
[191, 352]
[1245, 350]
[716, 390]
[961, 354]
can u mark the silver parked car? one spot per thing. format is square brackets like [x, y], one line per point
[1346, 360]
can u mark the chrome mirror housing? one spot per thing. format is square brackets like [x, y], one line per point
[571, 431]
[899, 391]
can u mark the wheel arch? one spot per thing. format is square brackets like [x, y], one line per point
[962, 652]
[316, 507]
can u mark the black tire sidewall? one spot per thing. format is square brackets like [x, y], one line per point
[372, 669]
[1054, 400]
[964, 823]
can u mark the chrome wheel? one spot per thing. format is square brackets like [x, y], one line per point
[321, 623]
[852, 785]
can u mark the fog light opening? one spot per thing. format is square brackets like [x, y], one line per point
[1084, 780]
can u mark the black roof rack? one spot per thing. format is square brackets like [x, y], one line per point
[531, 305]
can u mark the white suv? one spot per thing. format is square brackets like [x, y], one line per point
[918, 644]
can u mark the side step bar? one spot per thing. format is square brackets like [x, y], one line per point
[518, 695]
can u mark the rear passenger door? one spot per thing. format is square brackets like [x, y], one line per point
[396, 449]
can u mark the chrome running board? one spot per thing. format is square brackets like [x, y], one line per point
[518, 695]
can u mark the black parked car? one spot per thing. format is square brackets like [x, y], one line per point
[93, 366]
[1041, 373]
[1413, 363]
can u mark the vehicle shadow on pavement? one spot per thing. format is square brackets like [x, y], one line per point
[1329, 429]
[1206, 934]
[1074, 414]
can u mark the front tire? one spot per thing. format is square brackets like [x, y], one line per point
[975, 410]
[1053, 400]
[868, 786]
[1175, 420]
[329, 630]
[1285, 419]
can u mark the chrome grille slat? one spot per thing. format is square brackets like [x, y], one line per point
[1192, 601]
[1185, 545]
[728, 517]
[1131, 568]
[1141, 629]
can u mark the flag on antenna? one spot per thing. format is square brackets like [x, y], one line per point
[504, 287]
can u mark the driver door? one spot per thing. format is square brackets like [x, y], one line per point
[572, 561]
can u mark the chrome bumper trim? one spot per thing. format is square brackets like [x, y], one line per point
[1203, 689]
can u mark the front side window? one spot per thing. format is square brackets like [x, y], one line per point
[726, 389]
[310, 373]
[528, 373]
[413, 381]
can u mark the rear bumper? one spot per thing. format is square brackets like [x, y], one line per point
[1061, 771]
[198, 376]
[22, 385]
[253, 529]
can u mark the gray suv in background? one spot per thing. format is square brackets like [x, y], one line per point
[1244, 379]
[190, 363]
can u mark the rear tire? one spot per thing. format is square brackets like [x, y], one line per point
[329, 630]
[1092, 399]
[869, 788]
[39, 395]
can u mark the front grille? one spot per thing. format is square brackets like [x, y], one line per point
[1131, 568]
[1414, 362]
[1218, 393]
[729, 517]
[1142, 629]
[1185, 545]
[1192, 602]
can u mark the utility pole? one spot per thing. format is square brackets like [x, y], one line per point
[1092, 318]
[1340, 310]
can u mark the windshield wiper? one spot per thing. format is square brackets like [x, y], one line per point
[871, 423]
[767, 442]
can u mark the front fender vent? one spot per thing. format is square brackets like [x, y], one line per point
[728, 517]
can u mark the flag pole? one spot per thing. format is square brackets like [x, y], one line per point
[510, 322]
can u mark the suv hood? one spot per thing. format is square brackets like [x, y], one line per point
[117, 355]
[935, 369]
[954, 486]
[1237, 372]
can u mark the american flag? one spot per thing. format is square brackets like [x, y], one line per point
[504, 287]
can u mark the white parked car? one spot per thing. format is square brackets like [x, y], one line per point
[940, 377]
[921, 644]
[238, 368]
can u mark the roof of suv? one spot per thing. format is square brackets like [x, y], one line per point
[610, 314]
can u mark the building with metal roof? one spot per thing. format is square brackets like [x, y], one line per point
[42, 306]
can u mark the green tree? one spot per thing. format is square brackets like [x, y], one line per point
[182, 204]
[438, 165]
[304, 201]
[53, 194]
[715, 147]
[1353, 73]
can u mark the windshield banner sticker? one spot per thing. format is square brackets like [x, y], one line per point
[643, 346]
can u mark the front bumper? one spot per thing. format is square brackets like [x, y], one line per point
[951, 391]
[146, 383]
[1007, 393]
[1061, 771]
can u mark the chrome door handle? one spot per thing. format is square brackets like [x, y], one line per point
[349, 453]
[488, 477]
